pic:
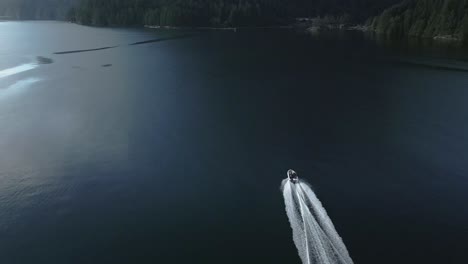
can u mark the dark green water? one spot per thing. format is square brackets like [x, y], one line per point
[173, 151]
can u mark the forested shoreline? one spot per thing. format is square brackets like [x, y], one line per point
[36, 9]
[176, 13]
[213, 13]
[437, 19]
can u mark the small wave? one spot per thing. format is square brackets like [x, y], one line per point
[17, 87]
[23, 83]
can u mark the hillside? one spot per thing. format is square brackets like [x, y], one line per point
[438, 19]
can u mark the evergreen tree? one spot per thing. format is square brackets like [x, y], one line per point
[424, 18]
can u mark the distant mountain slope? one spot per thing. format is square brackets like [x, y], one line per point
[438, 19]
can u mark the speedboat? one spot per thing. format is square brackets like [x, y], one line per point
[292, 175]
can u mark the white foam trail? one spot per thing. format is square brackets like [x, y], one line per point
[313, 232]
[17, 69]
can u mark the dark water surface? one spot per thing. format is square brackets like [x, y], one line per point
[173, 150]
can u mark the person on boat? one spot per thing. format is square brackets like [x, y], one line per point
[292, 175]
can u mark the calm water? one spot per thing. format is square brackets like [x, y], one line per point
[173, 151]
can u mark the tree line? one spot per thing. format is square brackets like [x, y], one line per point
[36, 9]
[424, 18]
[174, 13]
[189, 12]
[217, 12]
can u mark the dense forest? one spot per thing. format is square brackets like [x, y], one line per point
[218, 12]
[445, 19]
[190, 12]
[440, 19]
[36, 9]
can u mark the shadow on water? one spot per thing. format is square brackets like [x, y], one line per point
[159, 40]
[44, 60]
[85, 50]
[423, 52]
[434, 65]
[131, 44]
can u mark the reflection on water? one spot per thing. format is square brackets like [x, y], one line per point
[426, 48]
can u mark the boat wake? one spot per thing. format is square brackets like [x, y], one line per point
[313, 232]
[18, 69]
